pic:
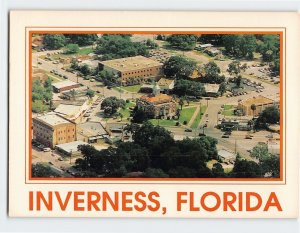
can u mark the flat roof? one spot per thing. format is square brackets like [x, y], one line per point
[71, 146]
[257, 100]
[131, 63]
[68, 109]
[52, 119]
[165, 82]
[226, 154]
[91, 128]
[211, 88]
[65, 83]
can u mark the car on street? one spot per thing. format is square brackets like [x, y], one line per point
[55, 62]
[225, 136]
[188, 130]
[50, 163]
[60, 159]
[248, 137]
[46, 149]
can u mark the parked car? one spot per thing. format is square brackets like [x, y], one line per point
[188, 130]
[248, 137]
[225, 136]
[46, 149]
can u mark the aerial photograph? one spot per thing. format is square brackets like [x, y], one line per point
[155, 105]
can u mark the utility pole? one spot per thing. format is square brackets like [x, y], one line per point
[71, 156]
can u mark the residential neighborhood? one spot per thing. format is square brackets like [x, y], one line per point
[156, 105]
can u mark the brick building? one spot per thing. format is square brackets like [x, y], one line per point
[133, 70]
[157, 105]
[64, 86]
[260, 102]
[52, 129]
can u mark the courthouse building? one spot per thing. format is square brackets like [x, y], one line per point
[133, 70]
[157, 105]
[52, 129]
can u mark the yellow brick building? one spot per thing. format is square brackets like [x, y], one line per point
[52, 129]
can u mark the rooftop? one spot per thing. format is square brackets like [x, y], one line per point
[71, 146]
[211, 88]
[131, 63]
[257, 100]
[52, 119]
[165, 82]
[63, 84]
[161, 98]
[90, 129]
[69, 109]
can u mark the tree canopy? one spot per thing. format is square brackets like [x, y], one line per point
[71, 48]
[182, 41]
[119, 46]
[179, 67]
[185, 87]
[112, 104]
[212, 73]
[81, 39]
[54, 41]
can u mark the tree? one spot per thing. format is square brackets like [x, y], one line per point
[155, 173]
[41, 170]
[212, 73]
[90, 93]
[119, 46]
[240, 45]
[238, 81]
[222, 88]
[179, 67]
[246, 169]
[38, 106]
[182, 41]
[108, 77]
[269, 48]
[217, 170]
[112, 104]
[185, 87]
[269, 163]
[71, 48]
[151, 44]
[54, 41]
[253, 108]
[81, 39]
[85, 69]
[270, 115]
[181, 103]
[140, 115]
[235, 68]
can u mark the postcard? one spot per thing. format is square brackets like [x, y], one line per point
[153, 114]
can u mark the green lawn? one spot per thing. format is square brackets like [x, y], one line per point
[198, 118]
[126, 111]
[186, 114]
[163, 122]
[85, 51]
[55, 78]
[228, 110]
[134, 88]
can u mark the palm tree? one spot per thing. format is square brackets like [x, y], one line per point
[253, 108]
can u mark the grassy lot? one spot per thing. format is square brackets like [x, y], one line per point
[163, 122]
[198, 118]
[85, 51]
[228, 110]
[55, 78]
[186, 114]
[118, 89]
[126, 111]
[134, 88]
